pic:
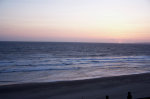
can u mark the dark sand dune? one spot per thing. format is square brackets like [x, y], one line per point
[115, 87]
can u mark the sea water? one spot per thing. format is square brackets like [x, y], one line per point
[25, 62]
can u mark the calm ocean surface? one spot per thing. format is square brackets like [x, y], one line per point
[22, 62]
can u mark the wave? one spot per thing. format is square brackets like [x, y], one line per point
[72, 63]
[31, 69]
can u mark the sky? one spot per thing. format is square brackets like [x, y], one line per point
[107, 21]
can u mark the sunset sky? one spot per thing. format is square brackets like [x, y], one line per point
[115, 21]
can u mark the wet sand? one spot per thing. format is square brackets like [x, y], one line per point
[115, 87]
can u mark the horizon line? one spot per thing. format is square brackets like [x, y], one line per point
[78, 42]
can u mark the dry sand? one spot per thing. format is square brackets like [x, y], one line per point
[115, 87]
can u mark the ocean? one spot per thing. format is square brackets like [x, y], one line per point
[27, 62]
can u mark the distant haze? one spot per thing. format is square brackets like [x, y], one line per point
[110, 21]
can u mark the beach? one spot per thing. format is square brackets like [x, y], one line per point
[116, 87]
[75, 49]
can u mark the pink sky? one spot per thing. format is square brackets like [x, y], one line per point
[116, 21]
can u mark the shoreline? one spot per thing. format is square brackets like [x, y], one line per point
[95, 88]
[69, 81]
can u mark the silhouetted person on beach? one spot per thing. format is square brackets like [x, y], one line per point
[107, 97]
[129, 95]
